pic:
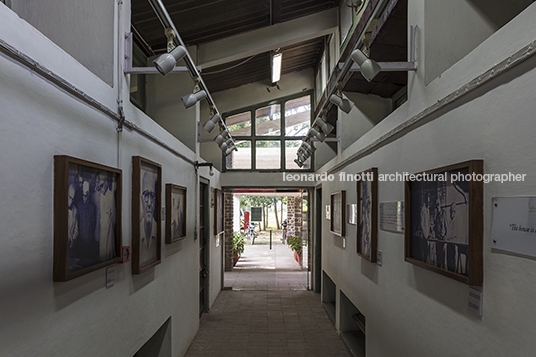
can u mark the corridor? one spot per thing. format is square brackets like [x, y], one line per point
[266, 310]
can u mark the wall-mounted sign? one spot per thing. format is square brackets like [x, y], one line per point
[392, 216]
[256, 214]
[514, 225]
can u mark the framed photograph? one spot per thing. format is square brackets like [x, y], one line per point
[328, 212]
[87, 217]
[444, 221]
[218, 212]
[146, 214]
[351, 213]
[175, 213]
[338, 221]
[367, 215]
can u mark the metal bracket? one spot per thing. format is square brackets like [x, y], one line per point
[122, 118]
[128, 69]
[389, 67]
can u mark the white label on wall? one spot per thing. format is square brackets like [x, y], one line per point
[110, 276]
[392, 216]
[514, 225]
[475, 301]
[379, 257]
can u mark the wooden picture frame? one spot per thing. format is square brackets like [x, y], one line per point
[444, 221]
[367, 215]
[87, 217]
[146, 214]
[175, 213]
[338, 208]
[218, 212]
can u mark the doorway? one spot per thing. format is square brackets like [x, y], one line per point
[270, 261]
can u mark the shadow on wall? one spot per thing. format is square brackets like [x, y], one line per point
[498, 12]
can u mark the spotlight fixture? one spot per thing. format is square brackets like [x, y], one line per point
[342, 102]
[298, 162]
[189, 100]
[198, 164]
[318, 134]
[308, 147]
[226, 144]
[369, 68]
[230, 150]
[221, 137]
[302, 156]
[277, 58]
[325, 127]
[166, 62]
[355, 4]
[211, 123]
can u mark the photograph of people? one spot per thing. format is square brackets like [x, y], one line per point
[104, 200]
[91, 216]
[177, 213]
[148, 224]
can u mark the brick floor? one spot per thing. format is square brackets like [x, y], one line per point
[268, 312]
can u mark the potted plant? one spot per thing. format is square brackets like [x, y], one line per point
[295, 243]
[238, 246]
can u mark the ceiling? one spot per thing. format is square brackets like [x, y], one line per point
[389, 45]
[202, 21]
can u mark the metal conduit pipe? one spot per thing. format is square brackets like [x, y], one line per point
[79, 94]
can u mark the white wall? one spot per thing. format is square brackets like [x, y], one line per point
[164, 104]
[81, 317]
[84, 29]
[415, 312]
[454, 28]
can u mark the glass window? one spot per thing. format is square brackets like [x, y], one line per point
[268, 120]
[291, 149]
[241, 158]
[268, 135]
[297, 116]
[268, 154]
[239, 124]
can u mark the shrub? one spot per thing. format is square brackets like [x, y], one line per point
[238, 242]
[295, 243]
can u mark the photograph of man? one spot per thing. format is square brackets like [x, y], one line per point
[366, 216]
[104, 199]
[72, 224]
[148, 224]
[85, 248]
[177, 225]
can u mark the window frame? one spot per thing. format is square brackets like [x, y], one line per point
[282, 137]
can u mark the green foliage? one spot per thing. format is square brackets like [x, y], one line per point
[295, 243]
[238, 242]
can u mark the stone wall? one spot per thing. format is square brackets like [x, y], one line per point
[228, 210]
[294, 216]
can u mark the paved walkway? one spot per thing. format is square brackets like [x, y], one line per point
[260, 268]
[268, 312]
